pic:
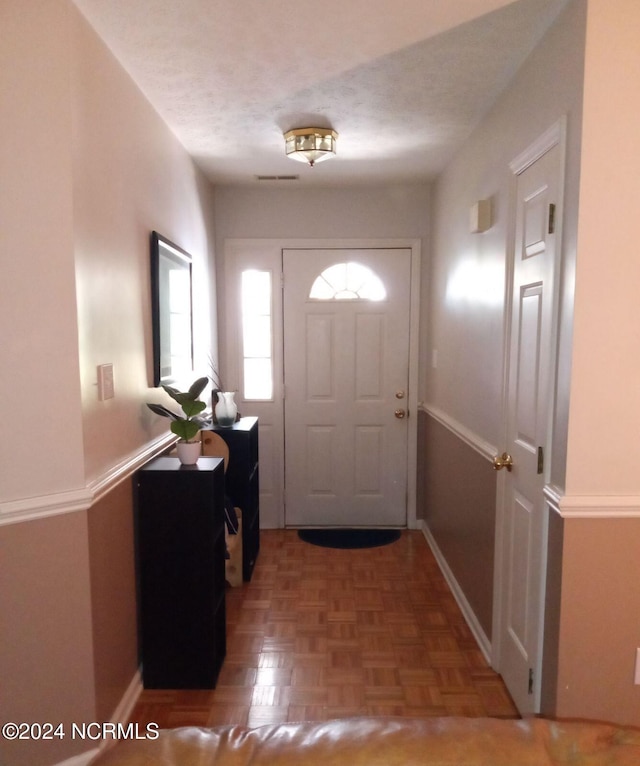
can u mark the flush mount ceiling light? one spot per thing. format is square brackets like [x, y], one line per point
[310, 144]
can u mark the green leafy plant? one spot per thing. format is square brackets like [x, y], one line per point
[184, 426]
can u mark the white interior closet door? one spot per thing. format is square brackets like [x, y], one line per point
[529, 404]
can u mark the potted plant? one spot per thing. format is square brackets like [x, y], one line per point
[187, 426]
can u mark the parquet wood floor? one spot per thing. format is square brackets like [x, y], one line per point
[321, 633]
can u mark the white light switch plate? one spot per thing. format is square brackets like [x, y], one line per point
[105, 382]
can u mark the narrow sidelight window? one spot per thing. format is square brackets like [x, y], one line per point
[257, 335]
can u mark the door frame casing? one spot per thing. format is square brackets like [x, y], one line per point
[270, 251]
[556, 135]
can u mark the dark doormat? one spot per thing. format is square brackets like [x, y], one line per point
[349, 538]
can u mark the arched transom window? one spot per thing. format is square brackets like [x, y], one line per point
[348, 281]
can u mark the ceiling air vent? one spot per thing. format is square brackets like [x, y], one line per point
[277, 178]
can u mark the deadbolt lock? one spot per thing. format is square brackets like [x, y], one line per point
[400, 394]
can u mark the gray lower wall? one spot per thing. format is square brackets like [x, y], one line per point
[457, 499]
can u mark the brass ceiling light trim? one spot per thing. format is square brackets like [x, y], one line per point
[310, 145]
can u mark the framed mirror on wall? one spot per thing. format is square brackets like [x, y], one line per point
[172, 312]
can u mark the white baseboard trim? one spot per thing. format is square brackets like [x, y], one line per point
[125, 707]
[470, 438]
[72, 501]
[465, 607]
[121, 715]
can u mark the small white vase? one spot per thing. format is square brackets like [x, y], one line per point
[226, 409]
[188, 452]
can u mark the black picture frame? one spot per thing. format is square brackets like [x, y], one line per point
[171, 311]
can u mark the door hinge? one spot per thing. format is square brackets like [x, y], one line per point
[530, 680]
[540, 460]
[282, 280]
[552, 218]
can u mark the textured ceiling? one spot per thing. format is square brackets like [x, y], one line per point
[402, 81]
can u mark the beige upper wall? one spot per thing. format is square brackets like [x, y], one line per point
[604, 443]
[273, 212]
[39, 384]
[89, 169]
[465, 323]
[131, 177]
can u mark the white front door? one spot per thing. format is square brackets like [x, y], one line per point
[529, 405]
[346, 361]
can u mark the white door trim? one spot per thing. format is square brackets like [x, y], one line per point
[554, 136]
[241, 247]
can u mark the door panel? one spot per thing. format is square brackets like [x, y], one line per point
[526, 382]
[520, 527]
[345, 449]
[320, 378]
[369, 359]
[368, 459]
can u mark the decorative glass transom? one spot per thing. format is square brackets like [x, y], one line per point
[348, 281]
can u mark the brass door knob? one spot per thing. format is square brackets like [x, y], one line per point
[400, 414]
[503, 461]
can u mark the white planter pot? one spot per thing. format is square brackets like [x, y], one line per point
[188, 452]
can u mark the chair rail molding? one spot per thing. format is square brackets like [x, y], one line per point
[102, 485]
[470, 438]
[599, 506]
[32, 508]
[82, 498]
